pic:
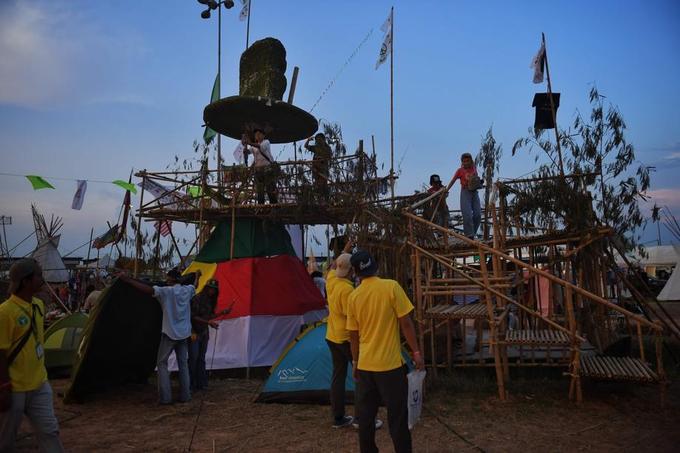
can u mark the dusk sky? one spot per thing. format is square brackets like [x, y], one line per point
[94, 89]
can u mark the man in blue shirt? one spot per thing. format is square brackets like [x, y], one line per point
[175, 300]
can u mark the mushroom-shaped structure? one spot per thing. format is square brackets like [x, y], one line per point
[259, 105]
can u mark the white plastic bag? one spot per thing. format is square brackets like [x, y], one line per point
[415, 396]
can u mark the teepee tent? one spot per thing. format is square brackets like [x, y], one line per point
[671, 291]
[46, 253]
[271, 293]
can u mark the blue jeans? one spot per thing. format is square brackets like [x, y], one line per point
[472, 212]
[197, 371]
[181, 353]
[38, 406]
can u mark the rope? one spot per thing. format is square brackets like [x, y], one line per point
[59, 179]
[200, 407]
[453, 431]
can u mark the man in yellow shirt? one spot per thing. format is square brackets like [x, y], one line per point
[24, 389]
[376, 311]
[338, 288]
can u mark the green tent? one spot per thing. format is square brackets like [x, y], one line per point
[119, 343]
[62, 340]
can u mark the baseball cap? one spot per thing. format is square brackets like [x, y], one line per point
[364, 264]
[343, 265]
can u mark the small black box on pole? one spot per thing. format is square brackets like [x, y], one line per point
[544, 116]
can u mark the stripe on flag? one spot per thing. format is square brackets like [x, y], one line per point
[164, 227]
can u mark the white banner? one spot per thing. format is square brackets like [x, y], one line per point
[386, 47]
[79, 196]
[245, 10]
[538, 64]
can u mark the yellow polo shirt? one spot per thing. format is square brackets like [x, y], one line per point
[338, 291]
[27, 372]
[373, 310]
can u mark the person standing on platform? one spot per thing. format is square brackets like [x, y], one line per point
[469, 198]
[265, 168]
[376, 311]
[322, 154]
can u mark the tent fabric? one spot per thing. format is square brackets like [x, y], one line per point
[303, 372]
[62, 340]
[252, 341]
[252, 238]
[207, 272]
[47, 255]
[671, 290]
[119, 342]
[277, 286]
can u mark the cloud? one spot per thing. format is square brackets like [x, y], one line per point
[674, 155]
[665, 197]
[53, 54]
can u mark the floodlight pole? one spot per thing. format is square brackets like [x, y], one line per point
[552, 107]
[219, 84]
[392, 107]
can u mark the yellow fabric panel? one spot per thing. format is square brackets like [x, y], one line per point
[207, 272]
[373, 310]
[27, 372]
[338, 291]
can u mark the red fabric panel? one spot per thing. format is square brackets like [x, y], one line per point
[266, 286]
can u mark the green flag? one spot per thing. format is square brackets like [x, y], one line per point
[125, 185]
[38, 182]
[194, 191]
[209, 134]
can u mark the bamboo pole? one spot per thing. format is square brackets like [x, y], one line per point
[537, 271]
[138, 239]
[552, 109]
[493, 329]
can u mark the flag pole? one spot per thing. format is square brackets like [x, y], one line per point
[392, 107]
[552, 106]
[219, 84]
[250, 5]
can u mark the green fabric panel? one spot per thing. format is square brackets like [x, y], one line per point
[253, 238]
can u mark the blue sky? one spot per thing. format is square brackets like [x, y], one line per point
[91, 90]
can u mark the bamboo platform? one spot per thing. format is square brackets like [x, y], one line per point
[617, 369]
[446, 311]
[537, 337]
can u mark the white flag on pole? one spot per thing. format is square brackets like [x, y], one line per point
[238, 153]
[386, 47]
[245, 10]
[79, 196]
[538, 64]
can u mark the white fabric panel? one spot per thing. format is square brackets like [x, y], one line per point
[47, 255]
[252, 341]
[295, 232]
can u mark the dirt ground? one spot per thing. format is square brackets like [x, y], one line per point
[461, 414]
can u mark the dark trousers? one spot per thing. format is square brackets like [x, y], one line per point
[198, 375]
[390, 387]
[265, 180]
[342, 355]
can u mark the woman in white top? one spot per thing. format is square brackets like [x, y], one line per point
[265, 176]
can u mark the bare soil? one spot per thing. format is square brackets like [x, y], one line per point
[461, 413]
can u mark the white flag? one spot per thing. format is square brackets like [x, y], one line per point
[79, 196]
[238, 153]
[386, 47]
[538, 64]
[245, 10]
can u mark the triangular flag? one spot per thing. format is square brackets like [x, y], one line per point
[209, 134]
[38, 182]
[79, 196]
[386, 47]
[538, 64]
[245, 11]
[125, 185]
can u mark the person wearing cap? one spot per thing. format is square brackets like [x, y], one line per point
[322, 154]
[263, 162]
[439, 210]
[376, 311]
[24, 389]
[202, 316]
[338, 287]
[175, 300]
